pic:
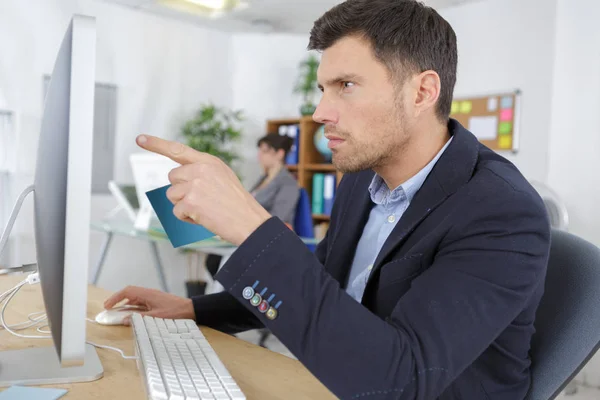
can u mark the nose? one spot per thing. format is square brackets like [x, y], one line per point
[326, 112]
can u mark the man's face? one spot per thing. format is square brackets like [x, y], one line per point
[362, 107]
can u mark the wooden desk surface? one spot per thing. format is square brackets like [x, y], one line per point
[260, 373]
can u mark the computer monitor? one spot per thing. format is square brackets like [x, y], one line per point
[62, 192]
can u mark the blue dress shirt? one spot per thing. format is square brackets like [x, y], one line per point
[388, 209]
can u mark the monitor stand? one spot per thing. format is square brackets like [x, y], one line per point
[40, 366]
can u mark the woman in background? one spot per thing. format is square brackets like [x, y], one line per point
[277, 190]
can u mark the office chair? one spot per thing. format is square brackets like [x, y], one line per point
[568, 319]
[303, 222]
[557, 210]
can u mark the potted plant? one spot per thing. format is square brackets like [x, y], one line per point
[211, 130]
[307, 84]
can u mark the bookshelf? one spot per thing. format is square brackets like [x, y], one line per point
[310, 161]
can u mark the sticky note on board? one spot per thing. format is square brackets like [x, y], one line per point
[484, 128]
[31, 393]
[505, 142]
[506, 115]
[179, 232]
[492, 104]
[455, 107]
[507, 102]
[466, 107]
[504, 128]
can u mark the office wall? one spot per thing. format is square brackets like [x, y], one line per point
[264, 75]
[575, 126]
[163, 70]
[575, 116]
[505, 45]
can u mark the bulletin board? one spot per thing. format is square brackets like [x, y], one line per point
[493, 119]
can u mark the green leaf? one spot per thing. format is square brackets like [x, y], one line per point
[212, 129]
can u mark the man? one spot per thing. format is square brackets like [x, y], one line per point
[427, 283]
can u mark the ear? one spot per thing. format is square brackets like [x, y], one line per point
[428, 87]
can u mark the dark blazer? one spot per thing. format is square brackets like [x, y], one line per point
[449, 307]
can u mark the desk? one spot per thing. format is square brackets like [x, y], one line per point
[260, 373]
[126, 228]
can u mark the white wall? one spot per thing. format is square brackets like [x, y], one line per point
[575, 126]
[163, 70]
[265, 71]
[505, 45]
[575, 116]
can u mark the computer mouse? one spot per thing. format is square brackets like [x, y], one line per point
[116, 315]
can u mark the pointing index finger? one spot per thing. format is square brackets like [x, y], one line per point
[176, 151]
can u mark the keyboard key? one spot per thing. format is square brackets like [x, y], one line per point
[181, 326]
[158, 391]
[236, 394]
[170, 325]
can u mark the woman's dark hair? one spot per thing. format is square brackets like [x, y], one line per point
[277, 142]
[405, 35]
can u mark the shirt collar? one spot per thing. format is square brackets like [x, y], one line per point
[381, 194]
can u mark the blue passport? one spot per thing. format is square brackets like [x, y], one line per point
[31, 393]
[180, 232]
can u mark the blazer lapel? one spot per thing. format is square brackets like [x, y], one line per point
[351, 224]
[453, 169]
[426, 200]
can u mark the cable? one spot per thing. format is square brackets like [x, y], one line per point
[3, 295]
[13, 217]
[35, 318]
[32, 321]
[114, 349]
[6, 327]
[100, 346]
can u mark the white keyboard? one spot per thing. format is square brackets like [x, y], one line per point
[177, 362]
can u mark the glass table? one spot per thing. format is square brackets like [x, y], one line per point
[154, 235]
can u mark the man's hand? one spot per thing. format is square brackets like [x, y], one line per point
[158, 304]
[205, 191]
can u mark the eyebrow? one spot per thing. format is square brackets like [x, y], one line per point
[339, 79]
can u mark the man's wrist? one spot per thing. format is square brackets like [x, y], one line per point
[189, 311]
[251, 224]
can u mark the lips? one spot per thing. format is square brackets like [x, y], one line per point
[334, 141]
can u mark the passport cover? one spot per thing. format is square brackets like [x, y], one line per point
[31, 393]
[180, 232]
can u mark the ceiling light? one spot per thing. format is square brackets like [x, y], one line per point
[212, 4]
[206, 8]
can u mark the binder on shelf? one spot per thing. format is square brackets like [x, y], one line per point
[292, 131]
[328, 193]
[317, 193]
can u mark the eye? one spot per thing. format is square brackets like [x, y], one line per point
[347, 85]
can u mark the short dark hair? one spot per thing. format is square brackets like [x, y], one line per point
[277, 142]
[404, 34]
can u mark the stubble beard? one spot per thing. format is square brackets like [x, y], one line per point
[373, 155]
